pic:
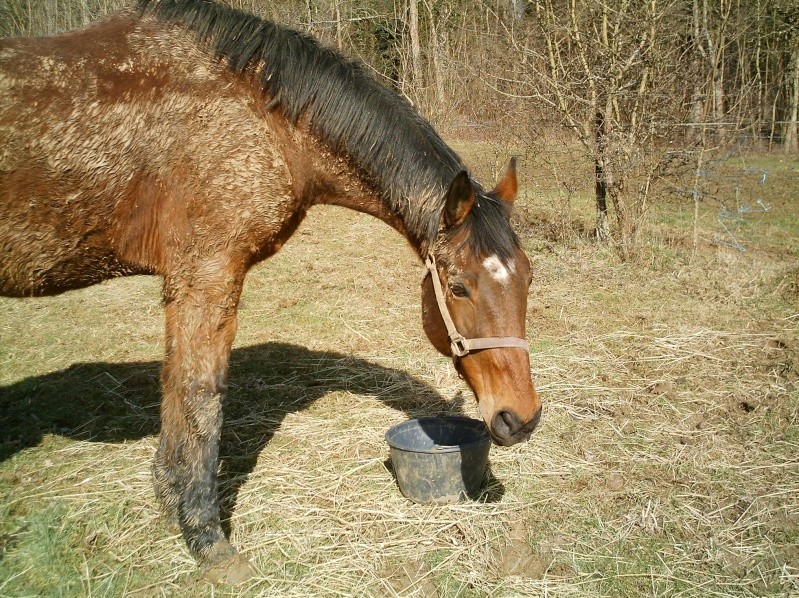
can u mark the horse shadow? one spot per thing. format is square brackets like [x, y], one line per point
[118, 402]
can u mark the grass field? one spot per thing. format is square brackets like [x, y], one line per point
[666, 463]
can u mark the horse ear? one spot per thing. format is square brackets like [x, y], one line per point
[508, 186]
[460, 199]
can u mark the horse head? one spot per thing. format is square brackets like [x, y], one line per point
[474, 304]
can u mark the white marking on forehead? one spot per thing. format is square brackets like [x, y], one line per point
[498, 270]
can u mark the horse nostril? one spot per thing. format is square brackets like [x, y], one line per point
[507, 429]
[510, 420]
[505, 425]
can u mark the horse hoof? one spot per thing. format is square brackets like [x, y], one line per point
[232, 571]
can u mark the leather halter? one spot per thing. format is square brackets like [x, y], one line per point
[459, 344]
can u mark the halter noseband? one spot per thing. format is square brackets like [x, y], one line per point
[459, 344]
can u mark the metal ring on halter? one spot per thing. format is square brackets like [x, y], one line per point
[459, 344]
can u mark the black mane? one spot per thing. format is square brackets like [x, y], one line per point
[346, 108]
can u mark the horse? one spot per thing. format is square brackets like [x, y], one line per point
[186, 139]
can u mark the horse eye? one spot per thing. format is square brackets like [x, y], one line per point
[458, 290]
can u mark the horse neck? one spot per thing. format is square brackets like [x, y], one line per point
[413, 210]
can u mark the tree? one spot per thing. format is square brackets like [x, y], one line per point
[607, 69]
[792, 86]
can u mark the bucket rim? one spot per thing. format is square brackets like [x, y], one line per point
[483, 437]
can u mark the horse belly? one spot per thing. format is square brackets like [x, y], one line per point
[48, 246]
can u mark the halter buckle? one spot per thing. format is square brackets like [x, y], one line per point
[458, 346]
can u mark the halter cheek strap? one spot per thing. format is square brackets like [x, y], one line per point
[459, 344]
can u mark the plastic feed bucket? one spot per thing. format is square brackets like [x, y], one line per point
[439, 459]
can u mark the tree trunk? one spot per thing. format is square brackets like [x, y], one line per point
[700, 60]
[711, 49]
[697, 114]
[791, 138]
[416, 52]
[601, 183]
[602, 225]
[435, 53]
[339, 26]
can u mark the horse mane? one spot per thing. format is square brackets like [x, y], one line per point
[346, 108]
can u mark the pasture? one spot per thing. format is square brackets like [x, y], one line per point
[666, 462]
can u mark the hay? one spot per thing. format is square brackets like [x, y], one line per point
[666, 461]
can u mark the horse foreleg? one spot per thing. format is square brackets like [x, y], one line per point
[200, 326]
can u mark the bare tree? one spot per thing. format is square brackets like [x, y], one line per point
[791, 133]
[606, 68]
[416, 51]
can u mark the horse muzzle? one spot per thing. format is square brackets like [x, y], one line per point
[507, 429]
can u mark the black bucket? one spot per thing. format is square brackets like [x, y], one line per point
[439, 459]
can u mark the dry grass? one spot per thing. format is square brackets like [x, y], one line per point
[666, 462]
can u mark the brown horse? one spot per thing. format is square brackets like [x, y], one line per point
[188, 140]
